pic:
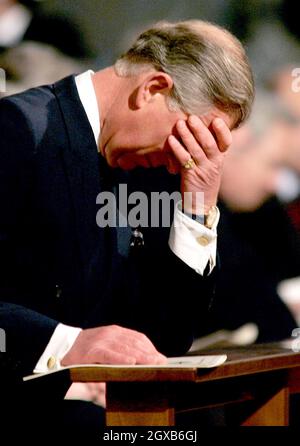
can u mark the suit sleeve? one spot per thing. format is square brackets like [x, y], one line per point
[26, 331]
[175, 299]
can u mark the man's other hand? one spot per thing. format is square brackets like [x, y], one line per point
[112, 344]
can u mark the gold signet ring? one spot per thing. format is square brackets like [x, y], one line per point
[189, 164]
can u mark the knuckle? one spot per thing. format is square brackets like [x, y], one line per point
[217, 165]
[142, 337]
[211, 147]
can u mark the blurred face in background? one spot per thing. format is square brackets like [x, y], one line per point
[292, 154]
[252, 167]
[284, 86]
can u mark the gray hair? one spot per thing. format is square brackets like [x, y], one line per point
[208, 65]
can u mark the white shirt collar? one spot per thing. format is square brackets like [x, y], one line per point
[13, 25]
[88, 99]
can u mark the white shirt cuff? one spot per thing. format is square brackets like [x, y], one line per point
[60, 343]
[192, 242]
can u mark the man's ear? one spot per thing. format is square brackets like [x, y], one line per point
[153, 86]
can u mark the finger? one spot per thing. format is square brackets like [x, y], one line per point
[146, 358]
[125, 341]
[188, 140]
[111, 332]
[151, 359]
[180, 153]
[204, 137]
[131, 356]
[142, 352]
[222, 134]
[136, 349]
[138, 339]
[160, 360]
[137, 344]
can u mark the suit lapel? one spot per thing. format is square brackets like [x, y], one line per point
[81, 161]
[97, 245]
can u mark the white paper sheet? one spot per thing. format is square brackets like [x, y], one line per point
[199, 362]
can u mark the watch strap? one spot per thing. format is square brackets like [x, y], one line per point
[206, 220]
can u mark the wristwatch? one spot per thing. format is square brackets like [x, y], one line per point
[208, 219]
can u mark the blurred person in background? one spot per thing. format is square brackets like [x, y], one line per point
[37, 48]
[257, 244]
[285, 83]
[22, 21]
[31, 64]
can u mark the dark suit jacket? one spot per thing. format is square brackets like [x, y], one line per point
[57, 265]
